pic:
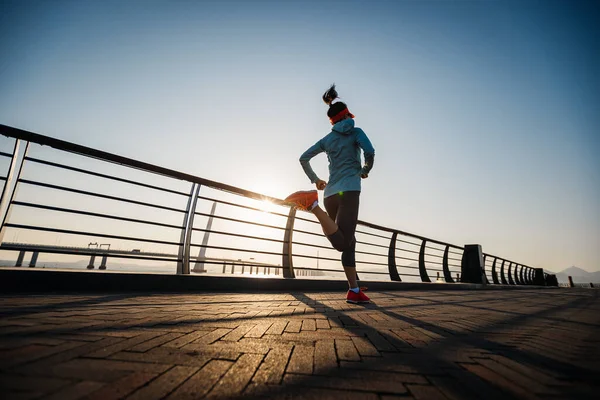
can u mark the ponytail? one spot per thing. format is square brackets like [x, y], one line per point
[330, 95]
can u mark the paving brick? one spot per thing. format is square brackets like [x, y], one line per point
[322, 324]
[301, 361]
[293, 326]
[346, 351]
[309, 325]
[324, 356]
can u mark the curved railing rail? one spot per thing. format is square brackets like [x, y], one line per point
[57, 191]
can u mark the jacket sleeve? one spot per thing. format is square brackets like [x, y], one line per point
[306, 157]
[365, 144]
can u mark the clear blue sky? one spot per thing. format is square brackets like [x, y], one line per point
[485, 115]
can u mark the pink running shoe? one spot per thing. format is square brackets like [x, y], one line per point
[356, 298]
[303, 200]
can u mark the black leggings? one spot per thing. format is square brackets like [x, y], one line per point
[343, 209]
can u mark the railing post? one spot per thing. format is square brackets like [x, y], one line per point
[571, 284]
[516, 278]
[538, 278]
[445, 267]
[502, 275]
[510, 278]
[91, 264]
[472, 268]
[392, 259]
[286, 262]
[494, 273]
[422, 269]
[8, 194]
[20, 258]
[199, 265]
[183, 262]
[551, 280]
[34, 258]
[103, 262]
[521, 278]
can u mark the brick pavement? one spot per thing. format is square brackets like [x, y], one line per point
[406, 345]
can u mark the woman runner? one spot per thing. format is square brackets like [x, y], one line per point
[341, 198]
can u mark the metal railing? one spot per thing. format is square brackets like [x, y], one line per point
[63, 186]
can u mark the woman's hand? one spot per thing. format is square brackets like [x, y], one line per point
[320, 184]
[364, 176]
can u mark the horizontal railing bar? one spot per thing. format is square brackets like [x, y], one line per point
[455, 252]
[407, 242]
[2, 178]
[370, 254]
[3, 154]
[238, 220]
[407, 251]
[308, 233]
[417, 276]
[433, 255]
[93, 214]
[307, 220]
[454, 259]
[98, 174]
[242, 206]
[371, 272]
[372, 263]
[406, 258]
[372, 244]
[235, 249]
[432, 262]
[237, 235]
[83, 253]
[82, 233]
[406, 266]
[103, 196]
[373, 234]
[312, 245]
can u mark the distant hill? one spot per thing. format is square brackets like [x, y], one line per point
[579, 275]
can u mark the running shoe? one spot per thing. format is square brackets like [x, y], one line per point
[356, 298]
[303, 200]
